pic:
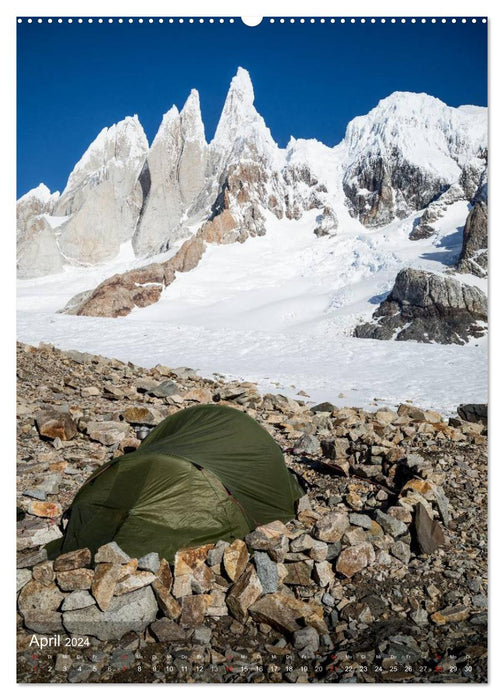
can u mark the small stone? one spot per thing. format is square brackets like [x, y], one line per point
[244, 593]
[324, 575]
[428, 532]
[107, 432]
[354, 559]
[302, 543]
[63, 663]
[44, 509]
[23, 576]
[56, 424]
[390, 525]
[284, 613]
[451, 614]
[169, 606]
[298, 573]
[111, 553]
[267, 571]
[216, 604]
[306, 638]
[141, 415]
[235, 559]
[303, 504]
[330, 527]
[420, 617]
[77, 600]
[134, 582]
[165, 630]
[44, 572]
[165, 389]
[400, 550]
[78, 559]
[193, 611]
[306, 444]
[202, 635]
[164, 574]
[360, 520]
[202, 578]
[214, 556]
[318, 551]
[150, 562]
[187, 559]
[104, 583]
[87, 391]
[182, 586]
[76, 579]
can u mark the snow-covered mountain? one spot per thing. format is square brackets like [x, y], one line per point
[393, 161]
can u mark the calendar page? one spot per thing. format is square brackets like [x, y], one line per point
[252, 349]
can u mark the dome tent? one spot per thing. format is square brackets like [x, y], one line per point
[205, 473]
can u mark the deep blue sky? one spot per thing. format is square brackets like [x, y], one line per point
[309, 80]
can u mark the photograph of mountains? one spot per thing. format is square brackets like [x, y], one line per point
[285, 225]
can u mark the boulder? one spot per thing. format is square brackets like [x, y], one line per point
[132, 612]
[428, 307]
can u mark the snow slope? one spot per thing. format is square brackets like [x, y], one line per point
[279, 310]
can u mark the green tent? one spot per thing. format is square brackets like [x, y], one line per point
[205, 473]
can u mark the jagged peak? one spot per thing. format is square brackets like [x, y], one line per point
[42, 193]
[123, 141]
[241, 86]
[193, 128]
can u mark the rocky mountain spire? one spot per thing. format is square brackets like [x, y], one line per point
[102, 197]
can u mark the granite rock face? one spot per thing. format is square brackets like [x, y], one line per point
[474, 255]
[103, 196]
[426, 307]
[37, 250]
[386, 177]
[172, 177]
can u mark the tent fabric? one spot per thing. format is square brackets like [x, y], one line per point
[206, 473]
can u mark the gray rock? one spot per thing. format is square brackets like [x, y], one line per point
[400, 550]
[131, 612]
[360, 520]
[306, 444]
[202, 635]
[302, 543]
[107, 432]
[324, 407]
[391, 525]
[78, 600]
[214, 556]
[267, 572]
[306, 638]
[427, 307]
[150, 562]
[111, 553]
[474, 255]
[165, 389]
[166, 630]
[474, 412]
[22, 578]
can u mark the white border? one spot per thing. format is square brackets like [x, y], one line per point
[147, 8]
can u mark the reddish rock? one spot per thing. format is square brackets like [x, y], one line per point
[235, 559]
[354, 559]
[45, 509]
[52, 424]
[244, 593]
